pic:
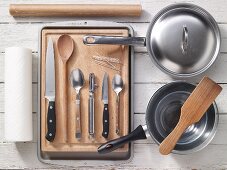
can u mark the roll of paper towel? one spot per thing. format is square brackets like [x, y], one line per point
[18, 94]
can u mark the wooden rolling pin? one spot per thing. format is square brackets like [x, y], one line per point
[47, 10]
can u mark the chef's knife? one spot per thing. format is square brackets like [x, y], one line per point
[105, 110]
[50, 92]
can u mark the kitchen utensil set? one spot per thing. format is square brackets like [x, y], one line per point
[193, 104]
[175, 55]
[67, 144]
[77, 82]
[65, 47]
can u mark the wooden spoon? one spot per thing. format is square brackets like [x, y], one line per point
[192, 111]
[65, 47]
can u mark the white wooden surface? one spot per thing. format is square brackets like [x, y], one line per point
[24, 32]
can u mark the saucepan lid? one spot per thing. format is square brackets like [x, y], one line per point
[183, 40]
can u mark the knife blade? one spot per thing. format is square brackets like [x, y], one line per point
[50, 91]
[105, 132]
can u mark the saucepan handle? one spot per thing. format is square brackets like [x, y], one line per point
[95, 39]
[137, 134]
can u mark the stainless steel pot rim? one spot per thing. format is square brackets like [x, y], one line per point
[202, 145]
[190, 7]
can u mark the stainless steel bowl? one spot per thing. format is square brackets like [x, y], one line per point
[163, 113]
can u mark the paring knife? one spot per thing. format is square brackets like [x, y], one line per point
[105, 132]
[50, 91]
[92, 87]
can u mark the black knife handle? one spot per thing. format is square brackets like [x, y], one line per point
[105, 131]
[51, 121]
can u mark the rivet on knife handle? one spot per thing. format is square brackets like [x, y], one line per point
[51, 121]
[105, 132]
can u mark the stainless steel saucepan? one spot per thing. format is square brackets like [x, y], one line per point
[162, 115]
[183, 40]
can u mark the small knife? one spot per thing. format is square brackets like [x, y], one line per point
[105, 132]
[50, 91]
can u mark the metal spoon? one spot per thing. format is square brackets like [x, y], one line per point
[77, 81]
[117, 85]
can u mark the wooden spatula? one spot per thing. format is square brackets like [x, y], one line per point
[192, 111]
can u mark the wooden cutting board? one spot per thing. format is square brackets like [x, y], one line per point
[82, 59]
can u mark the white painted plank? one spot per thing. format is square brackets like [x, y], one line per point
[210, 158]
[27, 35]
[23, 155]
[150, 8]
[220, 137]
[145, 71]
[139, 119]
[24, 35]
[142, 95]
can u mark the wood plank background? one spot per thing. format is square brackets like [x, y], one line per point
[24, 32]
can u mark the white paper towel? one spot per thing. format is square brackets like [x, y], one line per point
[18, 94]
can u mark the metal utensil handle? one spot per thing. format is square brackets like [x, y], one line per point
[117, 116]
[134, 41]
[91, 115]
[78, 124]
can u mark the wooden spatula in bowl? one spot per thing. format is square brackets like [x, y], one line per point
[192, 111]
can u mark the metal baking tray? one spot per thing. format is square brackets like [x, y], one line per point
[64, 158]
